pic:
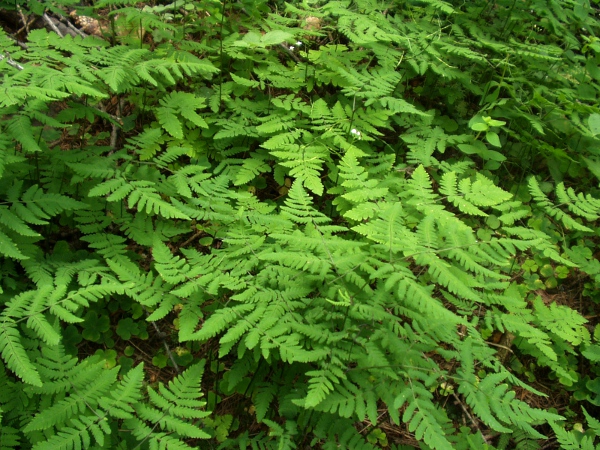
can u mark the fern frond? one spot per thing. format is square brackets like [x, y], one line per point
[175, 406]
[68, 438]
[146, 289]
[423, 418]
[220, 320]
[36, 206]
[124, 395]
[145, 196]
[305, 164]
[321, 383]
[14, 354]
[108, 245]
[554, 211]
[21, 129]
[10, 438]
[390, 231]
[99, 383]
[298, 207]
[564, 322]
[419, 190]
[171, 268]
[264, 395]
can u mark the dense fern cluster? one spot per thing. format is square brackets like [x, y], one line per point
[333, 197]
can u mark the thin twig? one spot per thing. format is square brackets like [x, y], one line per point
[473, 421]
[167, 349]
[162, 335]
[115, 126]
[26, 22]
[186, 243]
[73, 28]
[114, 134]
[11, 62]
[23, 18]
[292, 54]
[52, 25]
[500, 346]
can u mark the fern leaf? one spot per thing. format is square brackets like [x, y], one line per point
[15, 223]
[420, 192]
[116, 76]
[85, 396]
[562, 321]
[250, 169]
[398, 106]
[10, 438]
[169, 121]
[9, 248]
[14, 354]
[552, 210]
[171, 268]
[147, 143]
[321, 383]
[68, 438]
[114, 186]
[298, 207]
[177, 404]
[264, 395]
[127, 393]
[21, 129]
[220, 320]
[144, 196]
[423, 417]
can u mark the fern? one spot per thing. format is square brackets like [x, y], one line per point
[306, 196]
[184, 105]
[98, 399]
[171, 409]
[14, 353]
[579, 206]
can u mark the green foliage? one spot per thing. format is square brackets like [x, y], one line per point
[81, 402]
[329, 201]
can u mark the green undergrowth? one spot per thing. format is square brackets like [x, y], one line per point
[337, 224]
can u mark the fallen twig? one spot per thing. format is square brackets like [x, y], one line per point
[11, 62]
[26, 23]
[162, 336]
[25, 20]
[52, 25]
[471, 418]
[72, 27]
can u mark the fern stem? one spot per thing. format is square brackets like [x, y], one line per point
[113, 36]
[471, 418]
[216, 383]
[183, 18]
[156, 424]
[37, 167]
[221, 56]
[162, 336]
[508, 16]
[260, 362]
[487, 4]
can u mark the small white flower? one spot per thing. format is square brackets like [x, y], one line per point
[299, 43]
[356, 133]
[292, 47]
